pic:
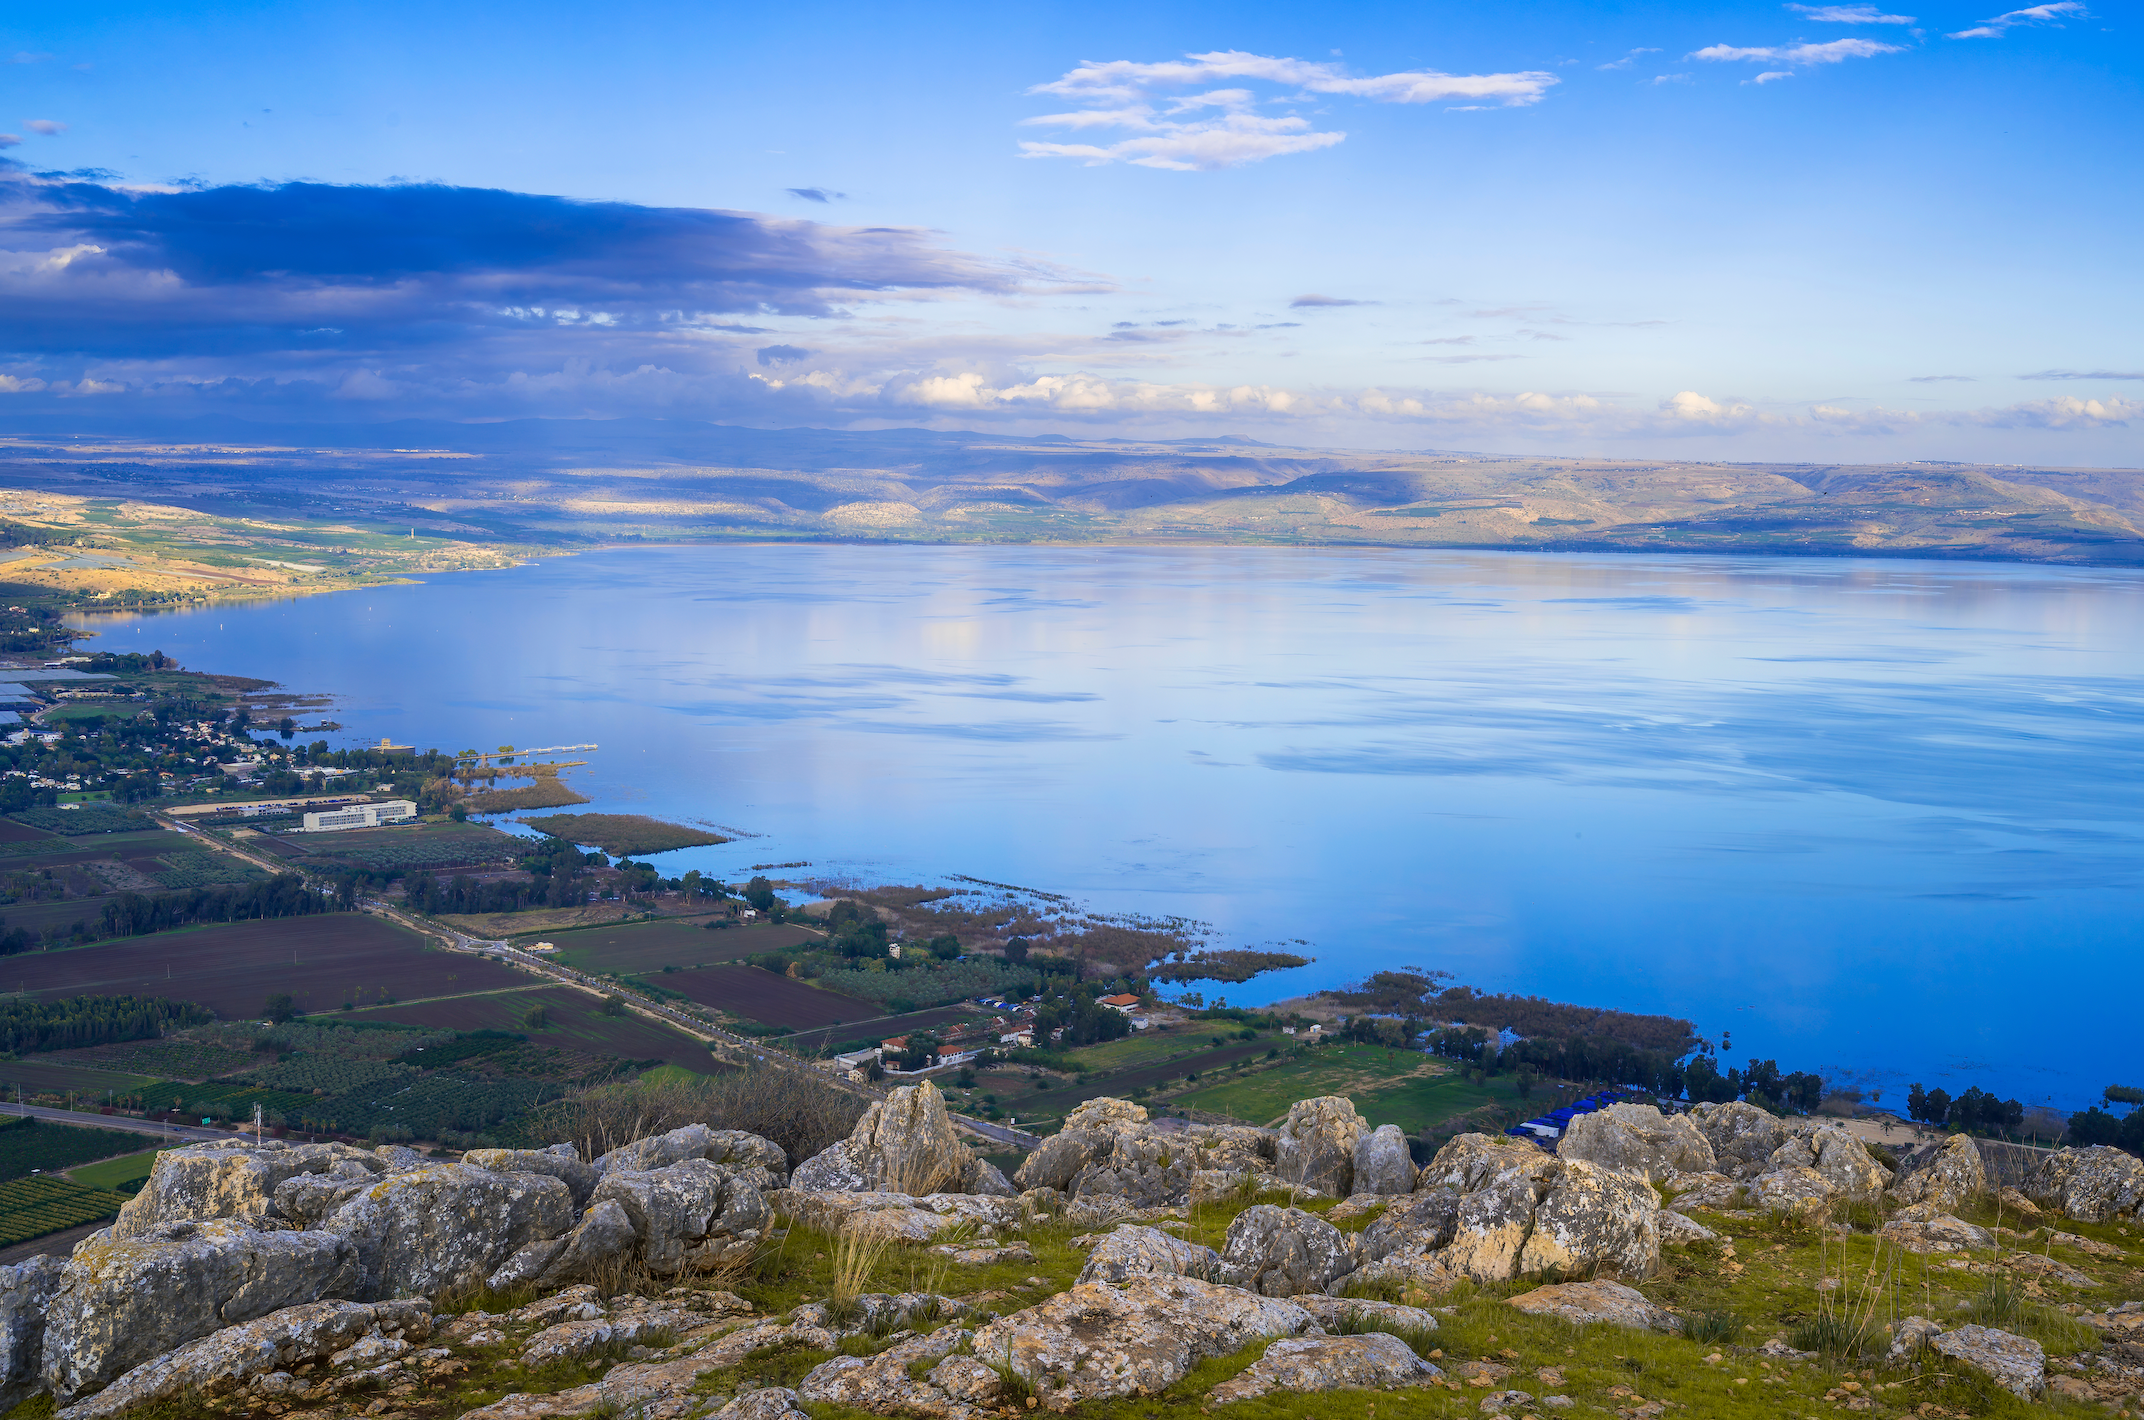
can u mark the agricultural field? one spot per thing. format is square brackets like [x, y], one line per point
[430, 845]
[623, 835]
[122, 1174]
[231, 968]
[27, 1144]
[14, 830]
[169, 1059]
[878, 1028]
[45, 1075]
[633, 947]
[33, 1207]
[573, 1021]
[200, 868]
[765, 997]
[1388, 1087]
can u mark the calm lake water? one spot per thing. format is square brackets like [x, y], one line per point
[1877, 817]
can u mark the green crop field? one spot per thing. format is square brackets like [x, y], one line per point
[43, 1075]
[1387, 1086]
[117, 1173]
[27, 1144]
[573, 1020]
[33, 1207]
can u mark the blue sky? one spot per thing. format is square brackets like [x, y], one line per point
[1744, 231]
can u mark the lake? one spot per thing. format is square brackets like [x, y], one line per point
[1877, 818]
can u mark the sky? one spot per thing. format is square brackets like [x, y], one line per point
[1741, 231]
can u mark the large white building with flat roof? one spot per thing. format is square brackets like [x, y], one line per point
[362, 816]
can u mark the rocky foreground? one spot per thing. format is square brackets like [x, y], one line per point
[1724, 1262]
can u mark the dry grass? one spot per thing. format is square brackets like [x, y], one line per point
[792, 1110]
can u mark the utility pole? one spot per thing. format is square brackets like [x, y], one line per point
[256, 1124]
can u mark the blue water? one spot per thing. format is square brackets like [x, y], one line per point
[1871, 817]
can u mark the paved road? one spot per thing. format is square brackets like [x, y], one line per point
[191, 1133]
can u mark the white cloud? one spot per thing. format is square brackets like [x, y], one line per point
[1221, 127]
[1829, 52]
[2035, 15]
[10, 140]
[47, 126]
[1850, 15]
[15, 384]
[1769, 75]
[1671, 78]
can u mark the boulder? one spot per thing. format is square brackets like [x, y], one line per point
[1584, 1303]
[1281, 1252]
[1306, 1364]
[1909, 1334]
[573, 1340]
[1416, 1224]
[446, 1225]
[1134, 1251]
[2094, 1185]
[1315, 1147]
[1411, 1273]
[1637, 1138]
[1060, 1158]
[307, 1199]
[688, 1216]
[1838, 1158]
[1362, 1314]
[26, 1292]
[560, 1161]
[281, 1341]
[1495, 1219]
[1099, 1342]
[1593, 1220]
[1743, 1137]
[1715, 1191]
[228, 1179]
[1677, 1229]
[1801, 1191]
[124, 1301]
[2016, 1363]
[1468, 1161]
[771, 1403]
[1383, 1163]
[1937, 1233]
[1145, 1170]
[984, 1177]
[898, 1215]
[605, 1235]
[903, 1144]
[761, 1161]
[885, 1384]
[1233, 1146]
[1104, 1112]
[1946, 1177]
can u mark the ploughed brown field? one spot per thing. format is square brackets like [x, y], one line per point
[651, 946]
[764, 997]
[233, 968]
[573, 1020]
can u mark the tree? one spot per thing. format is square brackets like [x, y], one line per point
[945, 948]
[1938, 1107]
[759, 894]
[1016, 950]
[1917, 1103]
[2093, 1126]
[280, 1008]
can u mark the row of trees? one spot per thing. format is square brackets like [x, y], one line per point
[80, 1021]
[1976, 1111]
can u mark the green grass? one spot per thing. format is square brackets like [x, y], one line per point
[1148, 1047]
[1371, 1076]
[111, 1173]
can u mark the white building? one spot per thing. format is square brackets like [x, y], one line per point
[362, 816]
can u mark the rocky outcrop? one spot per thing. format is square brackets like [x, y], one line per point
[2094, 1185]
[1468, 1161]
[1383, 1163]
[1362, 1314]
[237, 1179]
[1146, 1171]
[1283, 1252]
[1679, 1229]
[955, 1387]
[1937, 1233]
[1134, 1251]
[279, 1342]
[26, 1291]
[1109, 1150]
[1838, 1158]
[1098, 1342]
[445, 1225]
[2016, 1363]
[904, 1144]
[1715, 1191]
[1945, 1177]
[1743, 1137]
[1585, 1303]
[124, 1301]
[688, 1216]
[1315, 1145]
[760, 1162]
[898, 1216]
[1304, 1365]
[1545, 1215]
[1803, 1192]
[560, 1161]
[1637, 1138]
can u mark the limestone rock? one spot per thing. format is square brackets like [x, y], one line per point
[771, 1403]
[124, 1301]
[307, 1199]
[1499, 1401]
[1316, 1145]
[1302, 1365]
[1382, 1162]
[1469, 1161]
[571, 1340]
[1743, 1137]
[1495, 1219]
[1426, 1273]
[1146, 1171]
[1715, 1191]
[1838, 1158]
[2016, 1363]
[1909, 1334]
[560, 1161]
[904, 1144]
[1134, 1251]
[1947, 1177]
[446, 1225]
[605, 1234]
[1581, 1303]
[1281, 1252]
[760, 1161]
[1593, 1220]
[985, 1178]
[2094, 1185]
[689, 1215]
[1360, 1312]
[280, 1341]
[227, 1179]
[1637, 1138]
[1104, 1112]
[900, 1216]
[1937, 1233]
[882, 1383]
[1233, 1146]
[1097, 1342]
[1800, 1191]
[1678, 1229]
[1416, 1224]
[26, 1291]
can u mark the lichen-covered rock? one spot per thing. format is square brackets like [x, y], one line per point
[1838, 1158]
[1800, 1191]
[1383, 1163]
[1743, 1137]
[1937, 1233]
[1104, 1112]
[1677, 1229]
[1495, 1219]
[446, 1225]
[26, 1291]
[124, 1301]
[280, 1341]
[229, 1179]
[1416, 1224]
[1909, 1334]
[770, 1403]
[1146, 1171]
[760, 1161]
[2016, 1363]
[1334, 1313]
[1315, 1147]
[1134, 1251]
[1702, 1190]
[1060, 1158]
[1637, 1138]
[1307, 1364]
[985, 1178]
[560, 1161]
[903, 1144]
[307, 1199]
[1427, 1274]
[1468, 1161]
[1582, 1303]
[2094, 1185]
[572, 1340]
[1946, 1178]
[1233, 1146]
[1098, 1342]
[688, 1216]
[1593, 1220]
[1281, 1252]
[883, 1385]
[604, 1235]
